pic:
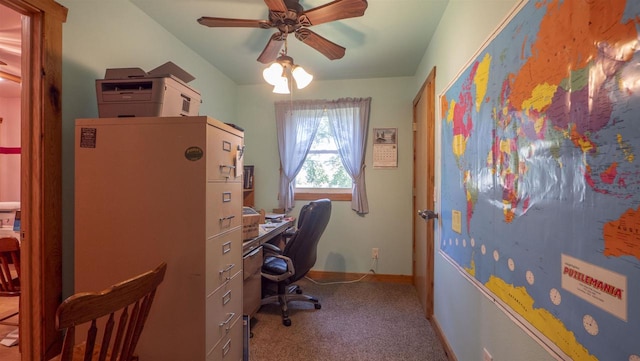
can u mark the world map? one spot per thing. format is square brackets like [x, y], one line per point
[540, 141]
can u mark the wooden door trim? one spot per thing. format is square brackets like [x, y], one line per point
[427, 90]
[41, 179]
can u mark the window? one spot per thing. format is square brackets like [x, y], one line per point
[326, 138]
[323, 168]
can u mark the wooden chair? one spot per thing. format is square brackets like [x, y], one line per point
[9, 281]
[129, 302]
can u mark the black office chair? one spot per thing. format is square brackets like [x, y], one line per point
[281, 268]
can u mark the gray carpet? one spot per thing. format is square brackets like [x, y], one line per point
[365, 321]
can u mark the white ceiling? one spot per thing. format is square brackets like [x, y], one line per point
[388, 41]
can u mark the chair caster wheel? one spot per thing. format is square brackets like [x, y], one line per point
[298, 291]
[286, 322]
[317, 306]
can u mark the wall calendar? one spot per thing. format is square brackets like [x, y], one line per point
[385, 147]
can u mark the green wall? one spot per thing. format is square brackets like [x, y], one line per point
[346, 244]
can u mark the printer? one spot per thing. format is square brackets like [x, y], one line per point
[132, 92]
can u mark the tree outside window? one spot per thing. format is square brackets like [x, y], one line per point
[323, 167]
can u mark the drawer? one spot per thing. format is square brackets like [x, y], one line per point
[231, 346]
[223, 155]
[252, 294]
[223, 259]
[224, 207]
[223, 308]
[252, 262]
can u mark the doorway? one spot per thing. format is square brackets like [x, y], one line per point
[40, 174]
[423, 191]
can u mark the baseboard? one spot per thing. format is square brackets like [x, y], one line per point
[345, 277]
[443, 340]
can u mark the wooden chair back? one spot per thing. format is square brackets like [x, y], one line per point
[9, 280]
[129, 302]
[9, 254]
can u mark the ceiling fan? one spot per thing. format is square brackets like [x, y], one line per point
[288, 17]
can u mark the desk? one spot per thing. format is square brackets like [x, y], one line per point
[252, 264]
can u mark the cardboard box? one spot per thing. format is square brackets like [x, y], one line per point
[250, 226]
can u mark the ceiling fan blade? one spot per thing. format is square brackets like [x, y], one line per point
[233, 23]
[336, 10]
[329, 49]
[271, 50]
[276, 5]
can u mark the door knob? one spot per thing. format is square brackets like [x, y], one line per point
[427, 214]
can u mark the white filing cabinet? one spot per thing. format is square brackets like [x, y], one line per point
[165, 189]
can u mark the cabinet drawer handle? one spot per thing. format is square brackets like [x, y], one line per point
[231, 316]
[229, 267]
[227, 218]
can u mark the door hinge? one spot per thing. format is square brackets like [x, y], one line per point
[415, 126]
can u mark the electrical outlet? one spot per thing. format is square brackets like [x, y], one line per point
[486, 356]
[374, 253]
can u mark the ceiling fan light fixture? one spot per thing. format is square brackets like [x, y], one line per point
[282, 87]
[281, 72]
[273, 73]
[301, 77]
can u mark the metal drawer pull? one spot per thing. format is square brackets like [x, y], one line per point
[230, 168]
[229, 267]
[231, 316]
[227, 218]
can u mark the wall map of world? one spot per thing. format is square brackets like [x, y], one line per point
[540, 147]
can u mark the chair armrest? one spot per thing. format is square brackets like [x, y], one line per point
[289, 232]
[277, 278]
[271, 249]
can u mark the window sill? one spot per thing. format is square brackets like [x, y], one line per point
[311, 194]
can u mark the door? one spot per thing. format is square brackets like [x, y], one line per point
[40, 175]
[423, 192]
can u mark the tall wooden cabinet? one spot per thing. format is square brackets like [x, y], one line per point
[165, 189]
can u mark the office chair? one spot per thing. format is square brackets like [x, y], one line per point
[127, 306]
[9, 281]
[281, 268]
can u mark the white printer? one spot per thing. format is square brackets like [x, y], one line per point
[132, 92]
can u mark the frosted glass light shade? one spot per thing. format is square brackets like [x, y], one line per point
[273, 73]
[301, 76]
[282, 86]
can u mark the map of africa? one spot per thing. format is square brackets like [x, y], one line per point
[540, 142]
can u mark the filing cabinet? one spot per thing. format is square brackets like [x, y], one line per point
[168, 189]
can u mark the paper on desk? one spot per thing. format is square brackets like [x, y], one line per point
[274, 215]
